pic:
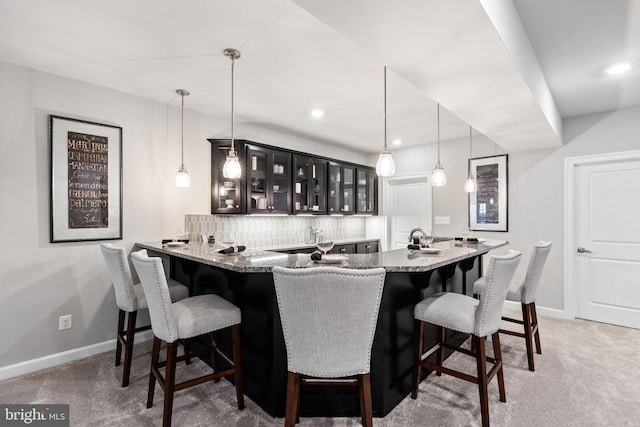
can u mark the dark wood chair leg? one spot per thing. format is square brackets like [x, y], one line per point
[417, 356]
[186, 346]
[497, 354]
[155, 357]
[215, 357]
[361, 396]
[293, 390]
[128, 347]
[482, 379]
[169, 383]
[441, 339]
[366, 408]
[526, 320]
[120, 336]
[237, 361]
[534, 324]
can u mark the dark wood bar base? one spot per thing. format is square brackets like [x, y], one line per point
[264, 355]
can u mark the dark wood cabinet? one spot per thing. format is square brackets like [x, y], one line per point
[366, 191]
[368, 247]
[268, 180]
[227, 195]
[310, 184]
[344, 249]
[341, 188]
[276, 181]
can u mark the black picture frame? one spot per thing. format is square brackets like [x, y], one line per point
[86, 180]
[489, 205]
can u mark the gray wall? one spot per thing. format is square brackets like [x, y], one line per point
[41, 281]
[536, 186]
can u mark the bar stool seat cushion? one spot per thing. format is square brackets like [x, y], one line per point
[201, 315]
[449, 310]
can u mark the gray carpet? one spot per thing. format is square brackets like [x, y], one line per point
[588, 375]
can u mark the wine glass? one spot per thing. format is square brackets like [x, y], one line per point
[324, 244]
[226, 240]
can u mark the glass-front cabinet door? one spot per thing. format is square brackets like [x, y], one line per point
[341, 188]
[226, 194]
[268, 181]
[366, 191]
[310, 178]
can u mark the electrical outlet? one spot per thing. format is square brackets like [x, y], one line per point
[64, 322]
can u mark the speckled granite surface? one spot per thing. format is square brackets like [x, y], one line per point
[260, 261]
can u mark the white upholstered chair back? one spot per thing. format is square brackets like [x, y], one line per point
[531, 284]
[497, 279]
[156, 290]
[329, 318]
[116, 259]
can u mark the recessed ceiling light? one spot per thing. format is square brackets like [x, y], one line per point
[618, 68]
[317, 113]
[396, 142]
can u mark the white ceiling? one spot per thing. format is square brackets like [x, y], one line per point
[510, 72]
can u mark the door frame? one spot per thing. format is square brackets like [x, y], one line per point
[571, 165]
[386, 184]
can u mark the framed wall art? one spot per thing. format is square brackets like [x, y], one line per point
[489, 205]
[86, 180]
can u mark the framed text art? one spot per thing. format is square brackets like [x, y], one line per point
[86, 180]
[488, 206]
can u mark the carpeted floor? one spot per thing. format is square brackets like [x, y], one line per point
[588, 375]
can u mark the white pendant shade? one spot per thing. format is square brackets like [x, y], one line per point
[385, 165]
[438, 176]
[231, 168]
[470, 185]
[182, 178]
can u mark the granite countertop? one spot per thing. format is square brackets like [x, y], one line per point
[261, 261]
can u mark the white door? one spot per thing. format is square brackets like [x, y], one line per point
[407, 202]
[608, 242]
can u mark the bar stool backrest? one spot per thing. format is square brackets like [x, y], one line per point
[116, 259]
[531, 284]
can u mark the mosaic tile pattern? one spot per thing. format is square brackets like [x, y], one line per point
[266, 232]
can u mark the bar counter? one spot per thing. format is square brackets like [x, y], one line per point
[245, 279]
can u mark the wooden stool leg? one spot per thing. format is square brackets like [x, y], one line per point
[366, 410]
[441, 340]
[155, 357]
[526, 318]
[169, 384]
[120, 336]
[417, 356]
[293, 390]
[497, 354]
[482, 379]
[534, 324]
[128, 347]
[237, 362]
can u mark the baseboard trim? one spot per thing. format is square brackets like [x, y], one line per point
[29, 366]
[542, 311]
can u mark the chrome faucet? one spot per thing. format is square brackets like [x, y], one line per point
[416, 230]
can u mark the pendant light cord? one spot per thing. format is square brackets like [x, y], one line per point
[182, 132]
[469, 165]
[438, 133]
[385, 108]
[232, 111]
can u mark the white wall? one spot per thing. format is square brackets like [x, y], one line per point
[536, 186]
[41, 281]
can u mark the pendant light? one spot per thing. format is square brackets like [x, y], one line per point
[231, 168]
[385, 165]
[182, 178]
[470, 185]
[438, 176]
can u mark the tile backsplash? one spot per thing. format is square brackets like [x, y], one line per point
[265, 232]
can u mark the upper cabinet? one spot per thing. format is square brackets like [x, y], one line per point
[268, 181]
[366, 191]
[276, 181]
[227, 195]
[341, 188]
[310, 184]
